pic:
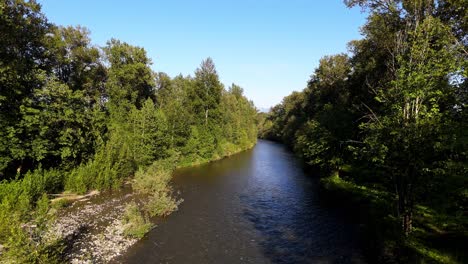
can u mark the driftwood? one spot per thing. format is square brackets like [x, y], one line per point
[72, 196]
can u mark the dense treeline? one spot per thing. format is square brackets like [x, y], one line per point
[391, 117]
[75, 117]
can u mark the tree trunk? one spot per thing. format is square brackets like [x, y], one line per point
[405, 204]
[172, 135]
[407, 222]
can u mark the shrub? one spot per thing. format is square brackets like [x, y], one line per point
[161, 204]
[135, 224]
[77, 179]
[24, 236]
[154, 181]
[151, 180]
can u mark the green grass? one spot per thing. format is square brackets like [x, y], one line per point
[357, 192]
[428, 254]
[437, 238]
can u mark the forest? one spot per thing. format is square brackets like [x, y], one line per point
[387, 127]
[76, 117]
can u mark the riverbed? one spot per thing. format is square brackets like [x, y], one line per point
[254, 207]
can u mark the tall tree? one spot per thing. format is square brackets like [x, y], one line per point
[77, 63]
[206, 94]
[23, 30]
[130, 80]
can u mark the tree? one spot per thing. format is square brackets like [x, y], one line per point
[150, 137]
[206, 94]
[57, 125]
[130, 77]
[22, 62]
[317, 121]
[77, 63]
[174, 102]
[163, 88]
[407, 139]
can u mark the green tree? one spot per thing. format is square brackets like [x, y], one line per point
[407, 140]
[150, 134]
[22, 62]
[57, 126]
[130, 80]
[176, 105]
[77, 63]
[206, 94]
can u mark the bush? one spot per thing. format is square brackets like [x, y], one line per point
[154, 181]
[24, 235]
[78, 179]
[20, 195]
[161, 204]
[151, 180]
[135, 224]
[54, 181]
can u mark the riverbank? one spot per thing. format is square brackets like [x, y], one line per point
[231, 150]
[90, 228]
[436, 238]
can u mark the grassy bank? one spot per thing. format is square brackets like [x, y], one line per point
[229, 150]
[436, 238]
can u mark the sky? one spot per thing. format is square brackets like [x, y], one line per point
[268, 47]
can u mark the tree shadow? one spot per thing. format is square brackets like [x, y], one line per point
[301, 231]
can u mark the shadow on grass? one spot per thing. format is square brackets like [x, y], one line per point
[436, 239]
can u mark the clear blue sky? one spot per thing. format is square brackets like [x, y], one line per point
[269, 47]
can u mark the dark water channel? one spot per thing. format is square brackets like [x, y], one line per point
[254, 207]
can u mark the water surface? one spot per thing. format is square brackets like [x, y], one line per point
[254, 207]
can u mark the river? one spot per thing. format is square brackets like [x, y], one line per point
[254, 207]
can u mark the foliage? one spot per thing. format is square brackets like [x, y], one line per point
[135, 224]
[24, 226]
[161, 204]
[150, 137]
[23, 60]
[154, 181]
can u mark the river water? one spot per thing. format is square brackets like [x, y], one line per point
[254, 207]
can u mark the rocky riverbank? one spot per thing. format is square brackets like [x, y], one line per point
[92, 228]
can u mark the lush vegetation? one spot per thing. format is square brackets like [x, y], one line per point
[389, 122]
[76, 117]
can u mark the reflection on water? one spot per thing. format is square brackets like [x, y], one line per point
[254, 207]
